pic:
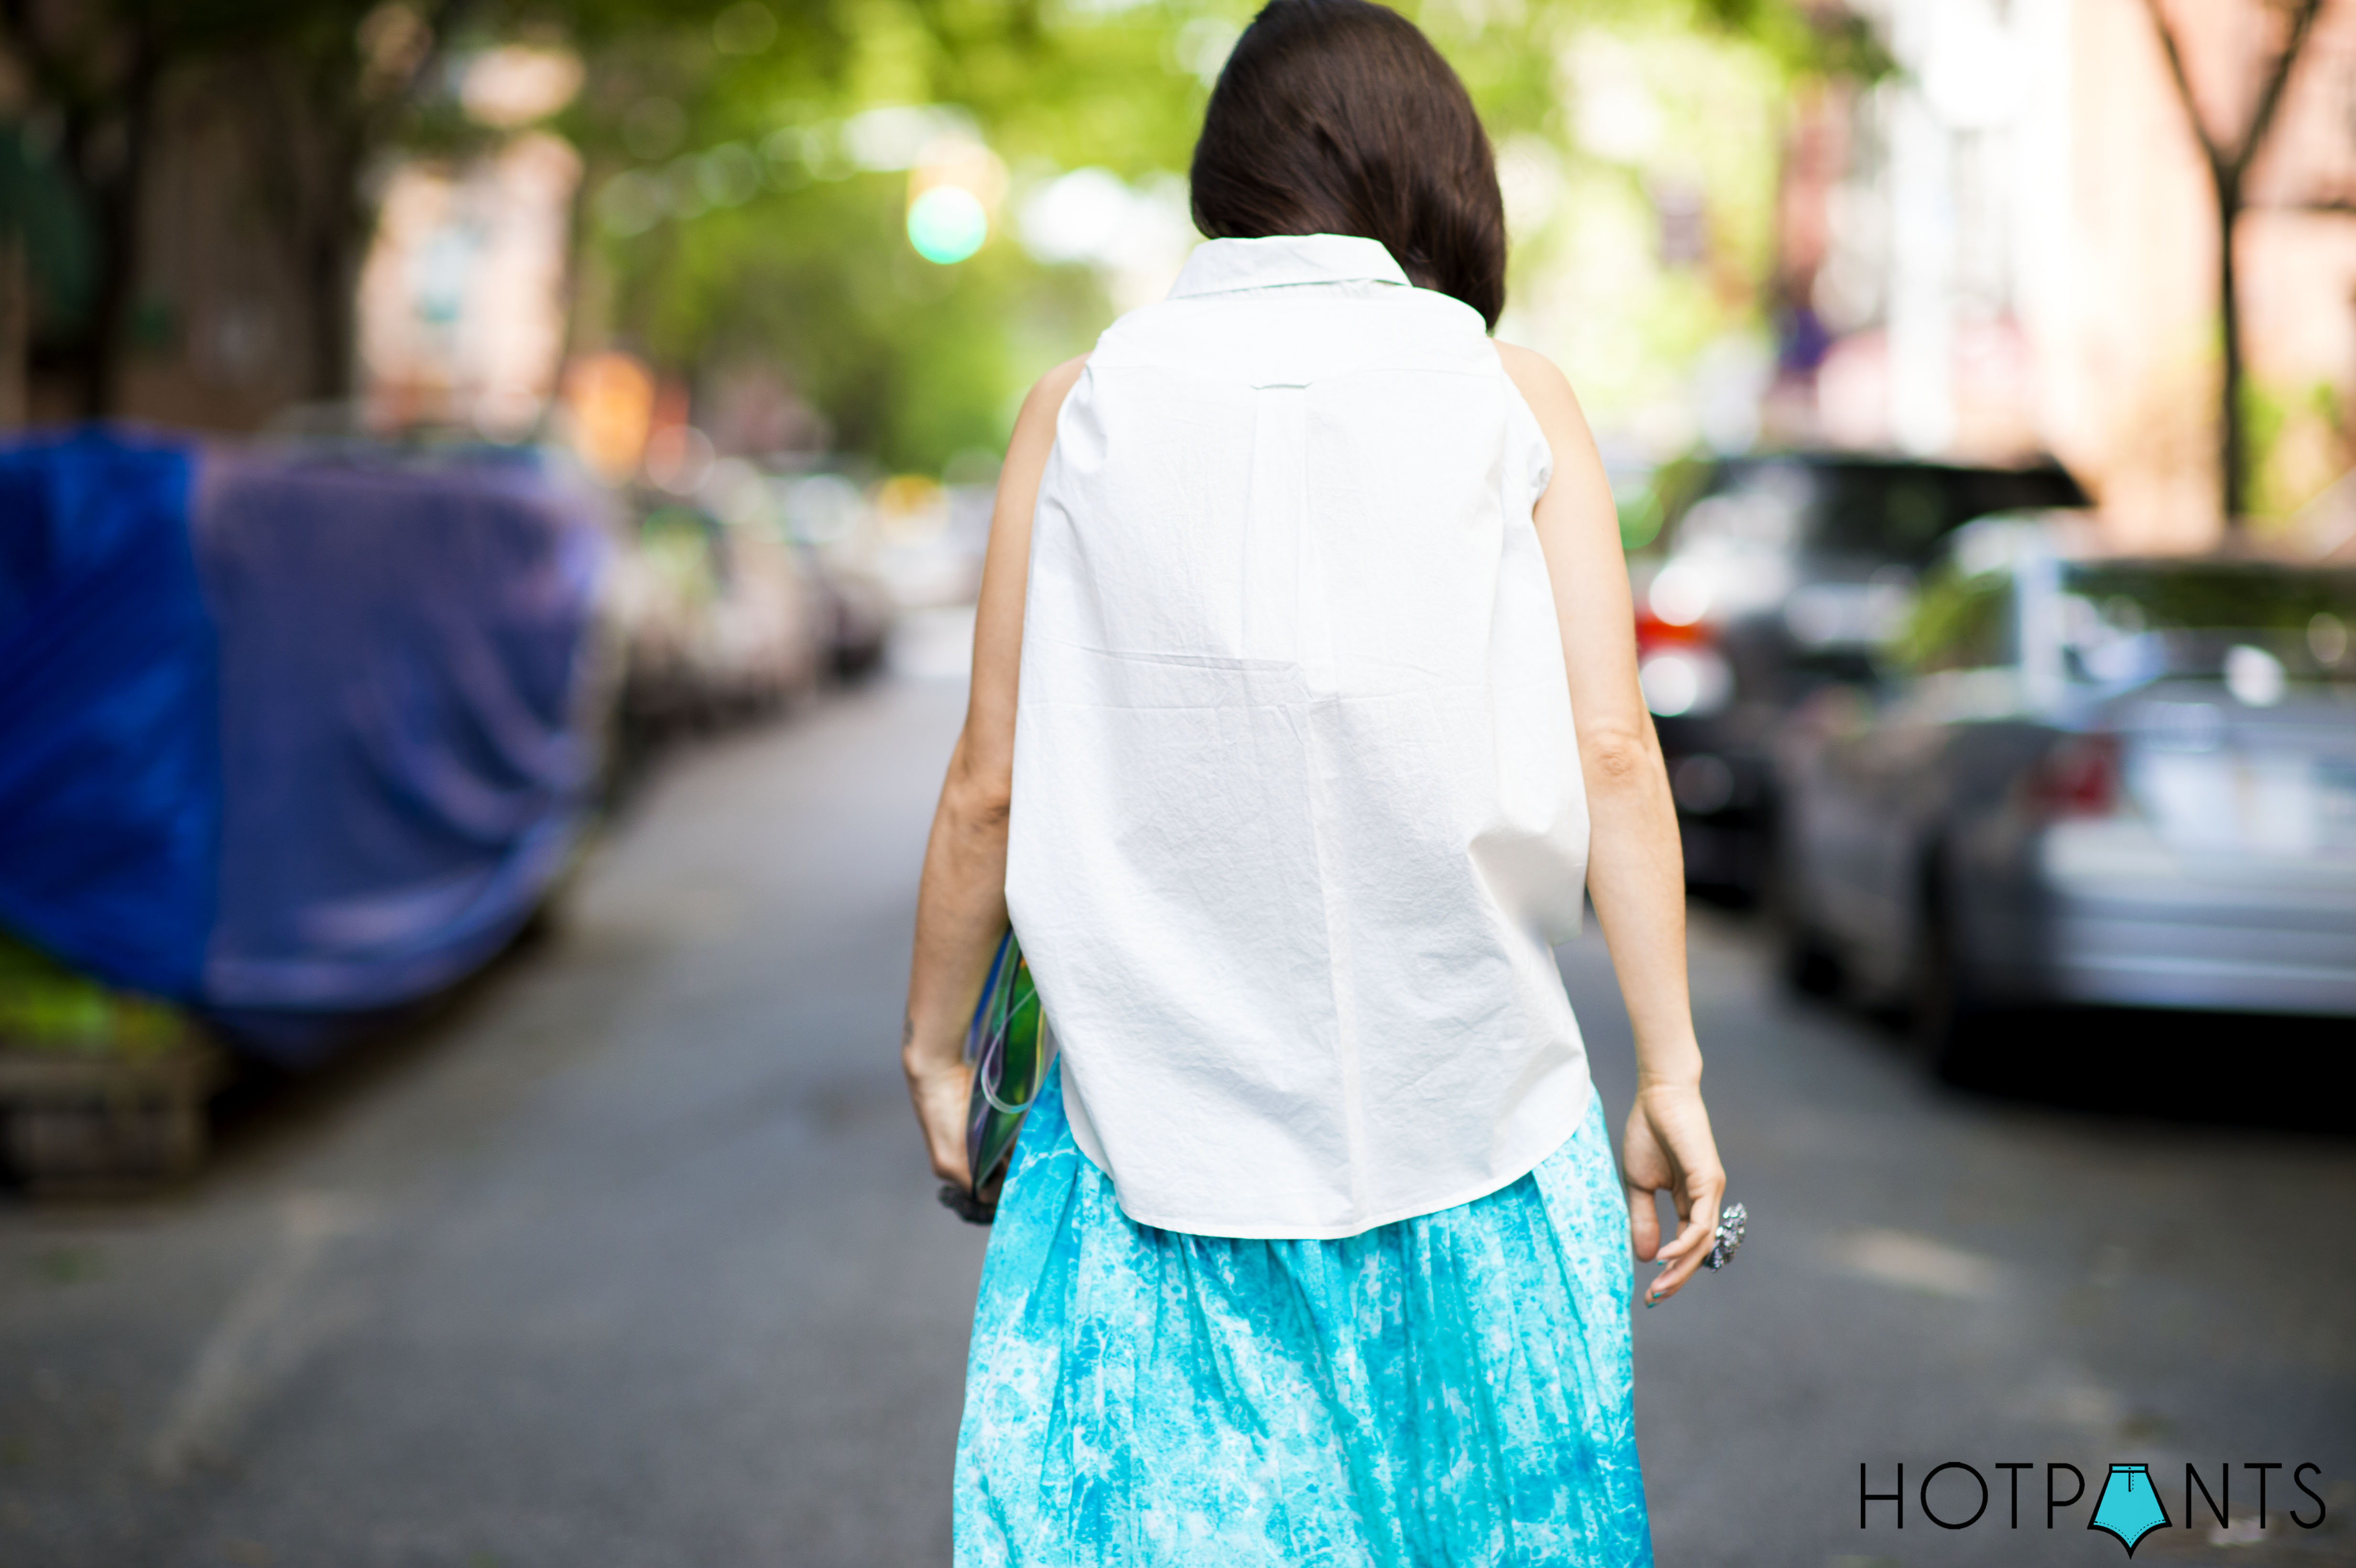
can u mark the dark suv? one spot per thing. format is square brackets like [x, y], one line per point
[1783, 572]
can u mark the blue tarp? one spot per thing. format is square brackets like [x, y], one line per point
[110, 782]
[383, 779]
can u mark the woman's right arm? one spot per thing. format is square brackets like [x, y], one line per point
[1635, 868]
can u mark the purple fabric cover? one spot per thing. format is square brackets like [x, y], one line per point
[402, 652]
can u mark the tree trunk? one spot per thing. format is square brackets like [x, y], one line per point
[2233, 444]
[16, 330]
[119, 216]
[2227, 165]
[331, 272]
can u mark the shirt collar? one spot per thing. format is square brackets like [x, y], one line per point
[1225, 266]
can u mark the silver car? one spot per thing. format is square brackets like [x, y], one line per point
[2090, 781]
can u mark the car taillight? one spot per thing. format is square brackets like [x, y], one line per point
[1680, 666]
[1652, 633]
[2079, 777]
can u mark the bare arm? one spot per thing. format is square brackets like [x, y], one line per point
[961, 902]
[1636, 870]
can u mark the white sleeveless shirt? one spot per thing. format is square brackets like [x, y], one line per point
[1297, 808]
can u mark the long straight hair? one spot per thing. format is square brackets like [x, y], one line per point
[1339, 117]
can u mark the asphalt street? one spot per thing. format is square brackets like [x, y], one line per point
[628, 1258]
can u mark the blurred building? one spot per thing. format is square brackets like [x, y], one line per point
[2011, 243]
[462, 302]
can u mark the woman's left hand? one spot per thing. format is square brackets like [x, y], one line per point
[1669, 1149]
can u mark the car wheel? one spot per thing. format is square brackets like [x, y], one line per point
[1950, 1026]
[1808, 965]
[1802, 957]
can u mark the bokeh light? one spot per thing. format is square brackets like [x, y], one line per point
[947, 224]
[517, 84]
[611, 397]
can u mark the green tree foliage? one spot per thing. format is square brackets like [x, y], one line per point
[914, 362]
[911, 362]
[40, 211]
[763, 238]
[722, 222]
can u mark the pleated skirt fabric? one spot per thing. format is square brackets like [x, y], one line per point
[1447, 1391]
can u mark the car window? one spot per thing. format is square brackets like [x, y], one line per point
[1978, 492]
[1879, 510]
[1751, 506]
[1959, 620]
[2138, 621]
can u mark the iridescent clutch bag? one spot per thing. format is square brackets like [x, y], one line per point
[1008, 1046]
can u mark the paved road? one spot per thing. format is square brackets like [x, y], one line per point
[628, 1259]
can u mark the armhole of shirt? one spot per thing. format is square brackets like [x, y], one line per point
[1539, 451]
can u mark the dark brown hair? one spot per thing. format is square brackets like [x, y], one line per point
[1339, 117]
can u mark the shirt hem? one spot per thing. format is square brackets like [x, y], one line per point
[1575, 1117]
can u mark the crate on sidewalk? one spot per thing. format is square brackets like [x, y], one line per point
[100, 1091]
[99, 1124]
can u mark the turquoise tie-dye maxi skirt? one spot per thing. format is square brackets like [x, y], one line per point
[1449, 1390]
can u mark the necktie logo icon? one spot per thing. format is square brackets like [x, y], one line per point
[2128, 1508]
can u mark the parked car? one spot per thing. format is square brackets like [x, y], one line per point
[2099, 780]
[720, 619]
[821, 514]
[1781, 572]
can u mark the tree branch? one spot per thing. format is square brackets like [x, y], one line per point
[2209, 148]
[2302, 18]
[2227, 168]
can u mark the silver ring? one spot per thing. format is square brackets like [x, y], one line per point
[1731, 1220]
